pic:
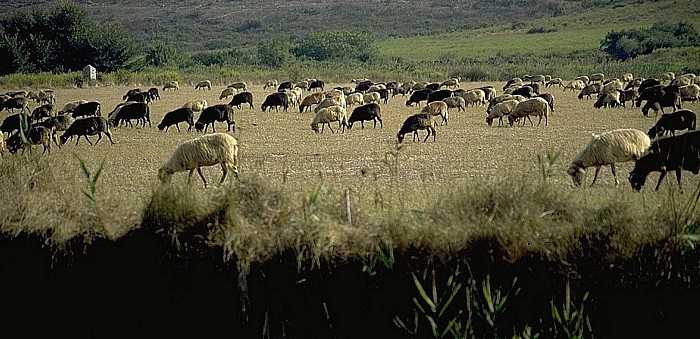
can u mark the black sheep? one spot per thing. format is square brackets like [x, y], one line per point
[139, 97]
[87, 126]
[658, 97]
[153, 93]
[434, 86]
[526, 91]
[276, 100]
[672, 122]
[12, 122]
[363, 86]
[646, 83]
[57, 123]
[130, 93]
[36, 135]
[364, 113]
[417, 122]
[439, 95]
[182, 114]
[137, 110]
[87, 109]
[242, 98]
[212, 114]
[550, 100]
[43, 111]
[418, 96]
[12, 103]
[668, 154]
[316, 84]
[284, 85]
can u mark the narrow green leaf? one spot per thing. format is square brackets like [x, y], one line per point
[422, 293]
[449, 300]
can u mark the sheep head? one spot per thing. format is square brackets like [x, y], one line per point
[577, 174]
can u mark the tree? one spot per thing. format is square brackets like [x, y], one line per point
[161, 55]
[628, 44]
[335, 44]
[274, 53]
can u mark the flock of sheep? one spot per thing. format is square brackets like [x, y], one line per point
[520, 99]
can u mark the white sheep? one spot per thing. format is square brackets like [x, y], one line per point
[534, 106]
[575, 85]
[597, 77]
[682, 81]
[204, 84]
[500, 110]
[171, 85]
[690, 93]
[583, 78]
[196, 105]
[239, 86]
[371, 97]
[474, 97]
[207, 150]
[451, 83]
[667, 77]
[608, 148]
[436, 108]
[272, 83]
[330, 114]
[627, 77]
[355, 99]
[612, 86]
[331, 101]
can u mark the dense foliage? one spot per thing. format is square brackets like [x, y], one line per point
[628, 44]
[60, 40]
[335, 44]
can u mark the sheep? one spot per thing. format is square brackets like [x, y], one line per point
[489, 92]
[316, 84]
[417, 96]
[537, 78]
[135, 110]
[658, 97]
[275, 100]
[175, 117]
[242, 98]
[207, 150]
[500, 110]
[474, 97]
[364, 113]
[130, 93]
[513, 82]
[433, 85]
[240, 86]
[456, 102]
[87, 109]
[153, 93]
[171, 85]
[14, 122]
[212, 114]
[612, 87]
[196, 105]
[627, 77]
[583, 78]
[526, 91]
[596, 77]
[88, 126]
[451, 83]
[690, 93]
[12, 103]
[331, 101]
[610, 99]
[575, 85]
[590, 89]
[284, 85]
[550, 101]
[138, 97]
[70, 107]
[36, 135]
[667, 77]
[57, 123]
[417, 122]
[636, 82]
[440, 94]
[304, 85]
[43, 111]
[227, 92]
[668, 154]
[371, 97]
[681, 81]
[608, 148]
[534, 106]
[355, 99]
[313, 99]
[327, 115]
[45, 96]
[646, 83]
[436, 108]
[672, 122]
[627, 95]
[555, 81]
[204, 84]
[272, 83]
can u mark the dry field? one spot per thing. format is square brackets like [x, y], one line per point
[282, 148]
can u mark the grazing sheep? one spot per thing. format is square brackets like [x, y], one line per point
[690, 93]
[474, 97]
[590, 89]
[417, 96]
[70, 107]
[533, 106]
[45, 96]
[667, 77]
[555, 81]
[513, 82]
[456, 102]
[240, 86]
[327, 115]
[502, 98]
[43, 111]
[436, 108]
[316, 84]
[610, 99]
[36, 135]
[204, 84]
[153, 93]
[138, 97]
[526, 91]
[596, 77]
[356, 98]
[12, 103]
[612, 86]
[634, 83]
[365, 113]
[658, 97]
[14, 121]
[583, 78]
[87, 109]
[242, 98]
[646, 83]
[575, 85]
[207, 150]
[371, 97]
[135, 110]
[276, 100]
[627, 95]
[438, 95]
[212, 114]
[57, 123]
[668, 154]
[608, 148]
[227, 92]
[313, 99]
[88, 126]
[175, 117]
[304, 85]
[536, 79]
[331, 101]
[434, 86]
[451, 83]
[196, 105]
[672, 122]
[681, 81]
[500, 110]
[171, 85]
[417, 122]
[272, 83]
[284, 85]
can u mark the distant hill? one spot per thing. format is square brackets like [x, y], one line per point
[203, 25]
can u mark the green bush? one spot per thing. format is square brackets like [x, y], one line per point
[628, 44]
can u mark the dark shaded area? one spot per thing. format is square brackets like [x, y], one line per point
[139, 286]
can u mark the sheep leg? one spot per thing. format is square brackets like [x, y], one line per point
[612, 168]
[330, 128]
[109, 136]
[99, 137]
[661, 178]
[530, 120]
[224, 170]
[199, 170]
[595, 177]
[212, 127]
[176, 125]
[86, 138]
[678, 178]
